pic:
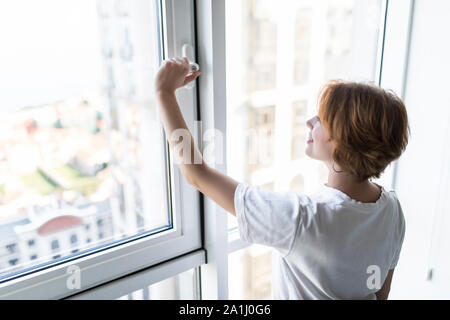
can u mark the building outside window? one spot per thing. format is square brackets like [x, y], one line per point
[55, 245]
[13, 262]
[261, 147]
[302, 45]
[73, 239]
[11, 247]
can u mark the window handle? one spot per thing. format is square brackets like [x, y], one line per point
[188, 52]
[194, 67]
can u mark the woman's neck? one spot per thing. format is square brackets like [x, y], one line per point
[364, 191]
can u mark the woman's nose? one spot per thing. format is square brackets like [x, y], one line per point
[309, 123]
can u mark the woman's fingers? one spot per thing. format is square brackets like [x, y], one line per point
[191, 77]
[183, 61]
[173, 60]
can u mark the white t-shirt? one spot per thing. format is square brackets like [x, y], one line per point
[327, 246]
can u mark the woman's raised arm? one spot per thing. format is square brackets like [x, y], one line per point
[172, 75]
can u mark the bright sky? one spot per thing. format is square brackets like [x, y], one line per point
[49, 51]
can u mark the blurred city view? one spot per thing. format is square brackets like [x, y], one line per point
[72, 174]
[55, 174]
[278, 57]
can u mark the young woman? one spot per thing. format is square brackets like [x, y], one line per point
[342, 242]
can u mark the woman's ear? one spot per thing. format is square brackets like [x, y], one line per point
[333, 146]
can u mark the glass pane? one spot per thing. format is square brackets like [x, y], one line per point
[278, 57]
[251, 270]
[82, 156]
[183, 286]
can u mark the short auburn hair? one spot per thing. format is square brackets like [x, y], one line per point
[368, 125]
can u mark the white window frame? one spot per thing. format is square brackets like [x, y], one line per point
[210, 18]
[394, 61]
[144, 278]
[184, 238]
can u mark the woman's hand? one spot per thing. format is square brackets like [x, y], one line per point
[173, 74]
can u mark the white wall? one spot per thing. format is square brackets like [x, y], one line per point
[422, 183]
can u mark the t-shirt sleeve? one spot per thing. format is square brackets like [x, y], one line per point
[401, 236]
[268, 218]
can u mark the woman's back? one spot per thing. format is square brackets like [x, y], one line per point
[328, 246]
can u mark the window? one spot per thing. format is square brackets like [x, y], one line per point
[261, 47]
[75, 152]
[11, 247]
[305, 43]
[55, 245]
[252, 270]
[13, 262]
[261, 123]
[83, 157]
[183, 286]
[302, 45]
[73, 239]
